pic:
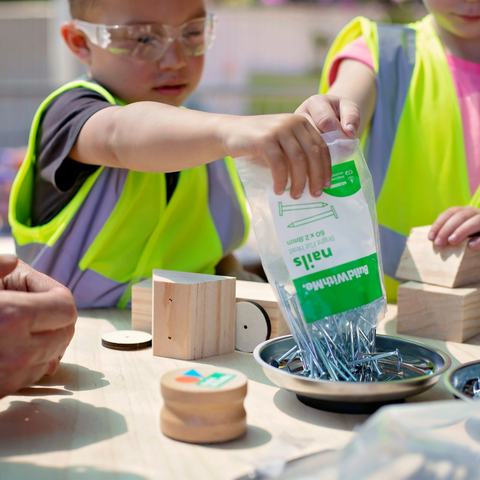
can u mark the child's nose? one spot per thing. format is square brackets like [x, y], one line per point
[174, 58]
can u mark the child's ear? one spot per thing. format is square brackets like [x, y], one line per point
[76, 41]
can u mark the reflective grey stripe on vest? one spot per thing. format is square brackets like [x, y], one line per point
[90, 289]
[393, 245]
[224, 206]
[396, 45]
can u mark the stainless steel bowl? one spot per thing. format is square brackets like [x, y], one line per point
[459, 376]
[352, 397]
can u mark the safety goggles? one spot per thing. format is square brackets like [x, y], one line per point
[149, 42]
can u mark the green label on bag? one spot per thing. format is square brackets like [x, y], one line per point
[328, 245]
[339, 289]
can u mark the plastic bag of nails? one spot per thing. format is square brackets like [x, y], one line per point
[322, 258]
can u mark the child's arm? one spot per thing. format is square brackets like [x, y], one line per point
[349, 104]
[154, 137]
[455, 225]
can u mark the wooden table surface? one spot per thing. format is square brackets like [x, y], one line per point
[98, 417]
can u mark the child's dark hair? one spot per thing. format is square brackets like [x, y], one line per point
[78, 8]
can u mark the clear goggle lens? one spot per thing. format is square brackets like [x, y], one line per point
[150, 42]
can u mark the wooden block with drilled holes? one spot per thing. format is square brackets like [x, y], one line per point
[442, 313]
[451, 266]
[142, 306]
[260, 293]
[193, 315]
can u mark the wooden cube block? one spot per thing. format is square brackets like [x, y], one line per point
[438, 312]
[142, 306]
[193, 315]
[450, 266]
[262, 294]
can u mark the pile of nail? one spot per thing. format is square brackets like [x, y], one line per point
[340, 347]
[472, 388]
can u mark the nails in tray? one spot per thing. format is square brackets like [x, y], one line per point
[340, 347]
[472, 388]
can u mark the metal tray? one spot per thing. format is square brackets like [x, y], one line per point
[352, 397]
[459, 376]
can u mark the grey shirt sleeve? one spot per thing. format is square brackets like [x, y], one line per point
[58, 177]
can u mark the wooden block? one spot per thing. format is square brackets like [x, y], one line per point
[193, 315]
[438, 312]
[204, 404]
[451, 266]
[260, 293]
[142, 306]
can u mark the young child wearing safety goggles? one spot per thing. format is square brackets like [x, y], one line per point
[118, 180]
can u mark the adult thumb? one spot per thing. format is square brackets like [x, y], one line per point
[7, 264]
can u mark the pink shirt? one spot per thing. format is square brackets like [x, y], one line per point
[466, 78]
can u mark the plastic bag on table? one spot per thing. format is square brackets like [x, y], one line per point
[322, 258]
[430, 441]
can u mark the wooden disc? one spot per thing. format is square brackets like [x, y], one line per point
[252, 326]
[127, 340]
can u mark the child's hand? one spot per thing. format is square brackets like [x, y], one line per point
[289, 144]
[330, 113]
[454, 225]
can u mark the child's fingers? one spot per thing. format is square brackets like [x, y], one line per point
[275, 159]
[466, 229]
[318, 158]
[318, 109]
[458, 227]
[297, 163]
[440, 222]
[349, 117]
[474, 243]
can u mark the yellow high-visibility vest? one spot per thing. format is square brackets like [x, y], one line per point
[119, 226]
[414, 145]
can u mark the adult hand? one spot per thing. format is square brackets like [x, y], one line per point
[330, 113]
[37, 322]
[455, 225]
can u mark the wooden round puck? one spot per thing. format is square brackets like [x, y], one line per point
[203, 404]
[127, 340]
[252, 326]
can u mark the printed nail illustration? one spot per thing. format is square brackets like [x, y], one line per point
[300, 206]
[315, 218]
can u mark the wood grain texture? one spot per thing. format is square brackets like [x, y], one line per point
[260, 293]
[98, 417]
[203, 414]
[142, 306]
[193, 315]
[438, 312]
[451, 266]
